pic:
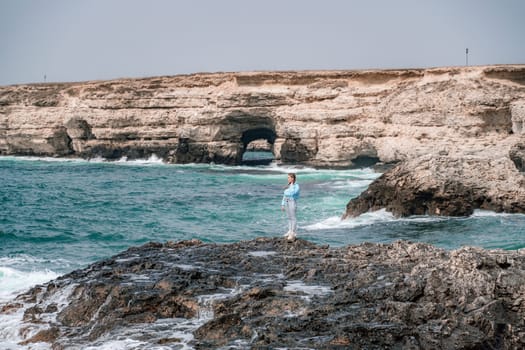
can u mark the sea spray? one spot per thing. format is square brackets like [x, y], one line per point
[13, 281]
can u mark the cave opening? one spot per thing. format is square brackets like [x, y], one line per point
[258, 146]
[364, 161]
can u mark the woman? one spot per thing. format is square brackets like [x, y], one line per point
[289, 203]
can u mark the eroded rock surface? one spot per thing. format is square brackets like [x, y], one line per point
[446, 185]
[463, 117]
[319, 118]
[270, 293]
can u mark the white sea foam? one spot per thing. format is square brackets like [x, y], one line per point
[11, 322]
[288, 168]
[186, 267]
[44, 159]
[361, 173]
[349, 184]
[152, 160]
[488, 213]
[369, 218]
[137, 277]
[124, 344]
[265, 277]
[121, 338]
[206, 303]
[13, 281]
[335, 222]
[425, 218]
[25, 259]
[179, 330]
[125, 260]
[309, 290]
[261, 253]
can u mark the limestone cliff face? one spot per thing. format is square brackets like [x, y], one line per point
[318, 118]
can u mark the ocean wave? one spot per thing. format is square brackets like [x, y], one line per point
[348, 184]
[272, 169]
[13, 281]
[152, 160]
[26, 259]
[361, 173]
[44, 159]
[370, 218]
[12, 325]
[335, 222]
[480, 213]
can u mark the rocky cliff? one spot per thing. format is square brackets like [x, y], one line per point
[271, 293]
[449, 126]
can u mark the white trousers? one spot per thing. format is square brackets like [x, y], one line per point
[291, 211]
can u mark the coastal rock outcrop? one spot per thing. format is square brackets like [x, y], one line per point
[320, 118]
[446, 185]
[316, 118]
[270, 293]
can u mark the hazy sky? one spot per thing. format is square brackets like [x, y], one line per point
[73, 40]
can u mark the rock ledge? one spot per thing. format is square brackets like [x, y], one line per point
[269, 293]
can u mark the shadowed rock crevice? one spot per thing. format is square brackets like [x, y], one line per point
[517, 155]
[79, 129]
[61, 142]
[365, 161]
[296, 151]
[498, 120]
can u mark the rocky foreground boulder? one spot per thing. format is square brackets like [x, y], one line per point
[270, 293]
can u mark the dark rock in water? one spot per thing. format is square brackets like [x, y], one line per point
[270, 293]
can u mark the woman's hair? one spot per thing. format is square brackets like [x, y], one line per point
[292, 175]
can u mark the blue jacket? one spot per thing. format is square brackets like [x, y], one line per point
[291, 192]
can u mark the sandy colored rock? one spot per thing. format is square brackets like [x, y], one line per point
[322, 118]
[460, 118]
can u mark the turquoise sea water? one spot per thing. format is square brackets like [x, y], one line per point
[60, 215]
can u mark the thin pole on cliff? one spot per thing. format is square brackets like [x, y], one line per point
[466, 55]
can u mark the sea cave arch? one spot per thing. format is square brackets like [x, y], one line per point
[262, 153]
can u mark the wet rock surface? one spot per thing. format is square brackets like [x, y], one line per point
[270, 293]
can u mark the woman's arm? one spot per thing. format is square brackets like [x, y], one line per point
[292, 191]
